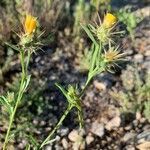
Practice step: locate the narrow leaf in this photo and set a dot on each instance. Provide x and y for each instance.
(88, 32)
(4, 101)
(12, 46)
(62, 89)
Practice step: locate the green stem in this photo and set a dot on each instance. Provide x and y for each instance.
(85, 87)
(94, 63)
(20, 94)
(57, 126)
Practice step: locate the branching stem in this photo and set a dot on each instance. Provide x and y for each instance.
(19, 97)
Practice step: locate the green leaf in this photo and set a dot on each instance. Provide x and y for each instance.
(88, 32)
(28, 147)
(95, 56)
(12, 46)
(4, 102)
(80, 118)
(26, 83)
(62, 90)
(10, 97)
(33, 141)
(50, 141)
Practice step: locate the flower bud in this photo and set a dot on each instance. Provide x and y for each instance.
(109, 20)
(30, 24)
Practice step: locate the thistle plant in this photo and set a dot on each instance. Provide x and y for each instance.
(103, 57)
(27, 45)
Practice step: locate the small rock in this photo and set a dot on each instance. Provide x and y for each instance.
(128, 136)
(63, 131)
(129, 52)
(146, 127)
(113, 123)
(108, 139)
(142, 120)
(135, 123)
(130, 147)
(144, 134)
(127, 128)
(77, 138)
(21, 146)
(58, 147)
(64, 143)
(73, 135)
(138, 116)
(138, 58)
(89, 139)
(57, 138)
(42, 123)
(99, 85)
(144, 146)
(97, 129)
(48, 147)
(80, 145)
(35, 122)
(146, 65)
(142, 140)
(147, 53)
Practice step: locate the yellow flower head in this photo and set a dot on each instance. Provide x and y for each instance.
(109, 20)
(30, 24)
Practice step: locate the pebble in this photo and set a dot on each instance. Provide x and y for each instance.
(138, 116)
(128, 137)
(129, 51)
(144, 134)
(130, 147)
(147, 53)
(35, 122)
(42, 123)
(108, 139)
(77, 139)
(89, 139)
(57, 147)
(146, 65)
(63, 131)
(48, 147)
(144, 146)
(80, 145)
(127, 128)
(98, 129)
(21, 145)
(73, 135)
(142, 120)
(135, 123)
(146, 127)
(113, 123)
(64, 143)
(99, 85)
(138, 58)
(57, 138)
(142, 140)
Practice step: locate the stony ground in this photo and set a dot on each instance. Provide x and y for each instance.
(105, 127)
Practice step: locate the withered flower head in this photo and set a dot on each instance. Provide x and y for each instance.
(113, 56)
